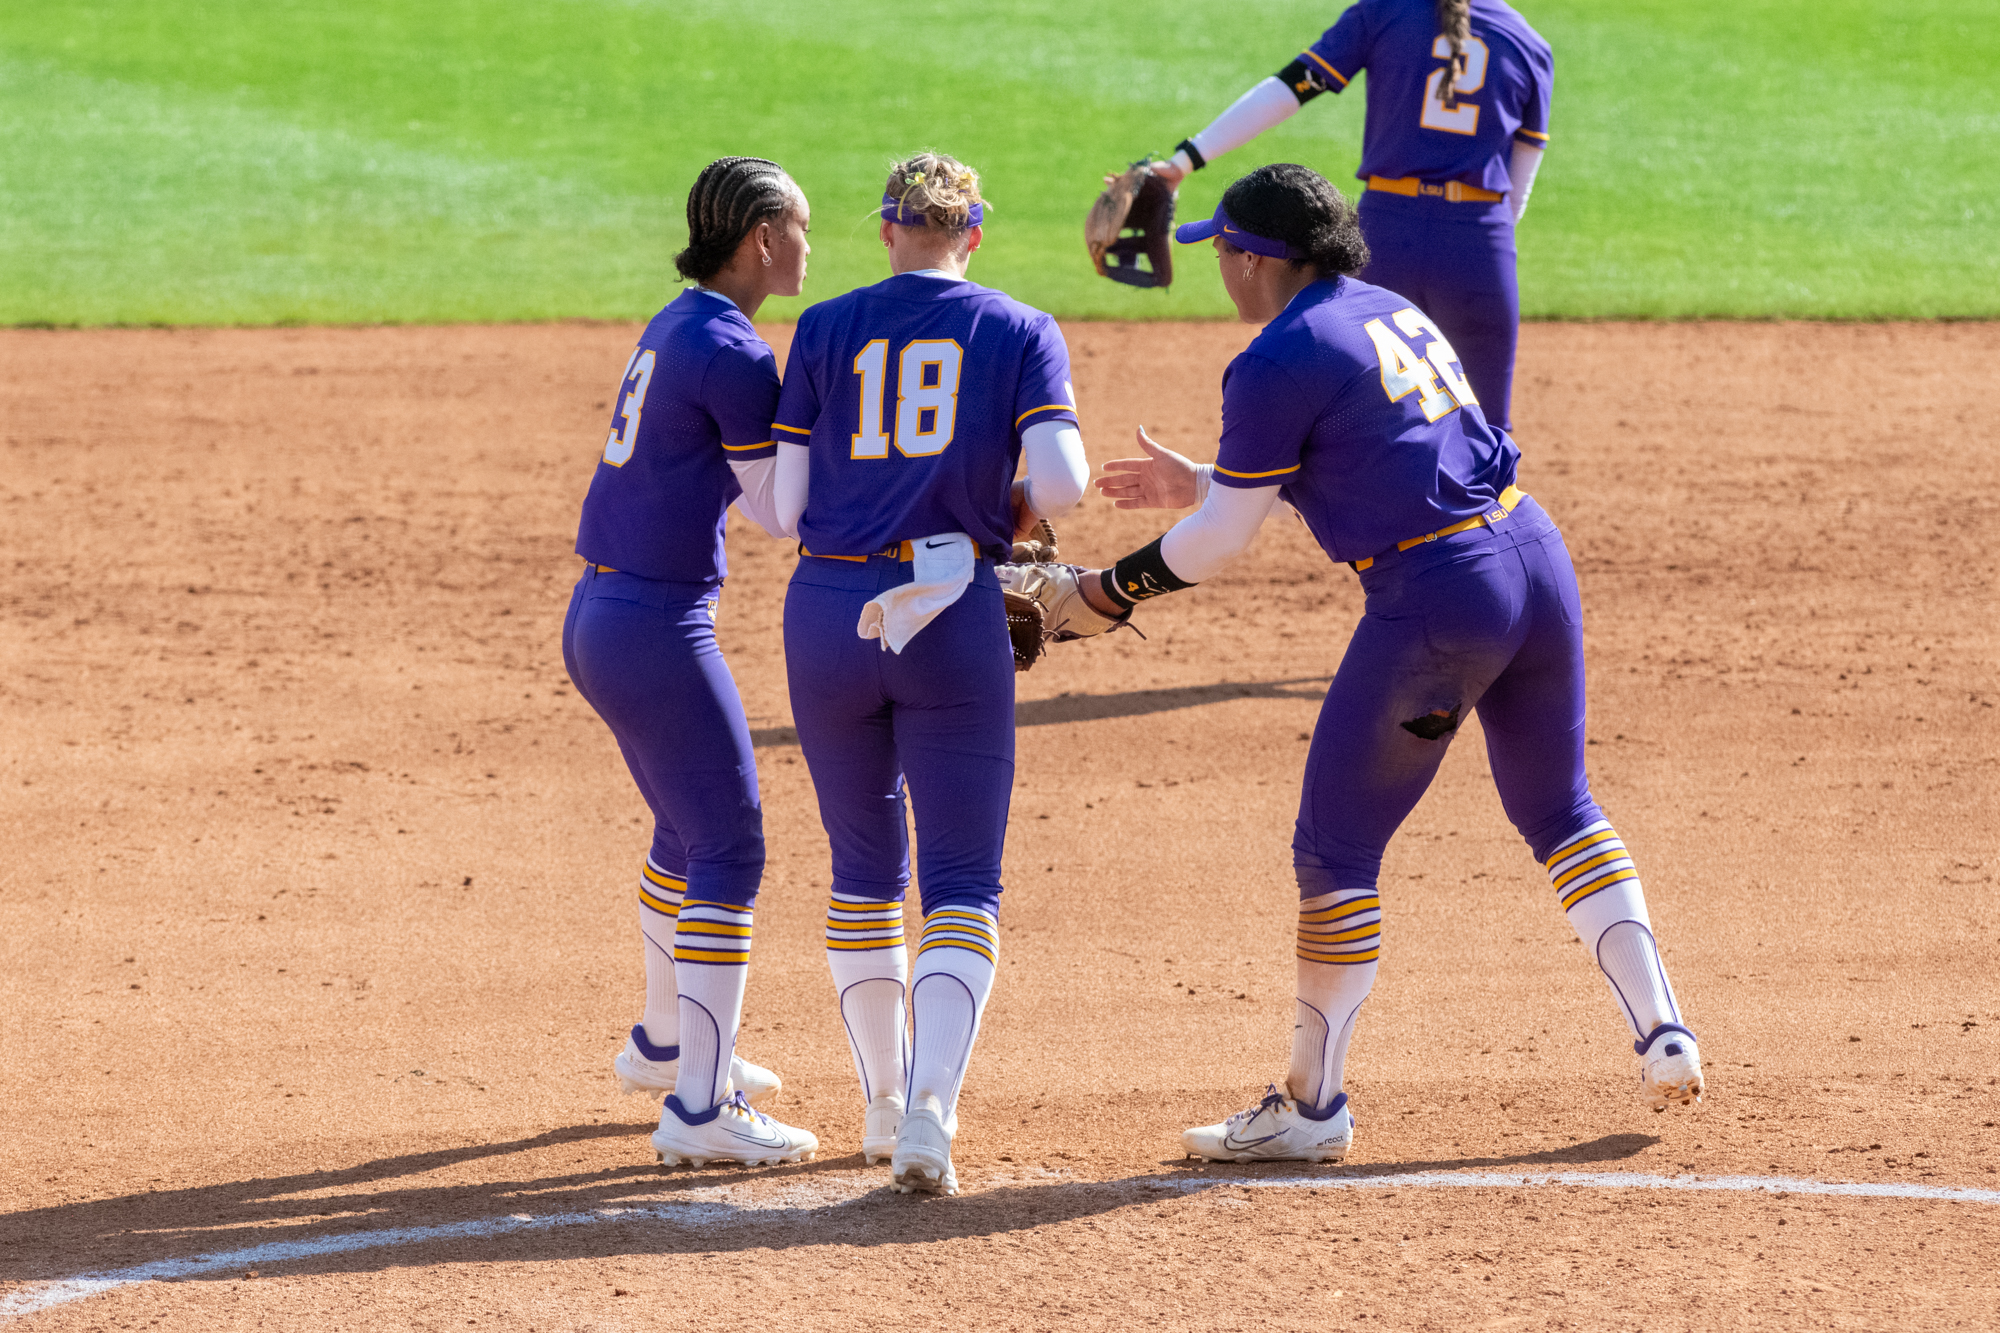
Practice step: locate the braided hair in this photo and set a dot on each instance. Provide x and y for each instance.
(1300, 207)
(730, 197)
(1454, 25)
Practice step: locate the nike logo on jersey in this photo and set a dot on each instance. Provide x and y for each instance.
(932, 546)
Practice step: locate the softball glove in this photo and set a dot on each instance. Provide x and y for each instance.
(1133, 220)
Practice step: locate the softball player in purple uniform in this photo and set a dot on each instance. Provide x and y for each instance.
(1353, 407)
(1458, 116)
(690, 433)
(907, 408)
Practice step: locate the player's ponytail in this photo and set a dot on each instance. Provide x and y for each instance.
(1294, 204)
(937, 185)
(730, 197)
(1454, 25)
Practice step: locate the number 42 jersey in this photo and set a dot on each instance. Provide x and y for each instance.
(1353, 402)
(912, 395)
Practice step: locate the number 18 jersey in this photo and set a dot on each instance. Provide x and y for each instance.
(912, 395)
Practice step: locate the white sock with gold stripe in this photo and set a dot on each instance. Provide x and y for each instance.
(1340, 943)
(871, 974)
(1598, 887)
(659, 908)
(711, 963)
(953, 976)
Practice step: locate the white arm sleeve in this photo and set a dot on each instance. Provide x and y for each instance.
(1521, 166)
(756, 477)
(1269, 103)
(1199, 545)
(1057, 469)
(793, 476)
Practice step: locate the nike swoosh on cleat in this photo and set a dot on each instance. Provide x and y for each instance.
(1230, 1142)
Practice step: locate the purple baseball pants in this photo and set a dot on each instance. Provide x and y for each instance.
(1489, 619)
(940, 713)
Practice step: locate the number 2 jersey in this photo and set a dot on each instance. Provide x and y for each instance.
(1502, 95)
(912, 395)
(1353, 403)
(701, 388)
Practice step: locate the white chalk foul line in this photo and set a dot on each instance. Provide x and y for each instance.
(710, 1213)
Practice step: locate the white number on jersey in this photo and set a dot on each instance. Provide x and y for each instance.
(1404, 372)
(625, 423)
(1415, 323)
(1464, 117)
(870, 364)
(927, 375)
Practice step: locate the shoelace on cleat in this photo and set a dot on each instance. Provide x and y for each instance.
(1273, 1101)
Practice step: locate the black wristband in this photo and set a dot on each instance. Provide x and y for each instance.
(1194, 154)
(1107, 582)
(1143, 574)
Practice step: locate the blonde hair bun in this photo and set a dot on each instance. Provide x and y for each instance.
(937, 185)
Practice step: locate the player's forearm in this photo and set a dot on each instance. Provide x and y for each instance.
(1057, 468)
(1197, 547)
(758, 503)
(1522, 164)
(793, 475)
(1194, 549)
(1268, 104)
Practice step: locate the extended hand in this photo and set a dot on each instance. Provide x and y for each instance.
(1161, 480)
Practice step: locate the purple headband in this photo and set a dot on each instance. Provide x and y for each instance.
(1220, 225)
(893, 211)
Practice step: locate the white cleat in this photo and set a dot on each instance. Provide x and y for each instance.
(644, 1067)
(922, 1160)
(1275, 1130)
(729, 1132)
(882, 1120)
(1669, 1067)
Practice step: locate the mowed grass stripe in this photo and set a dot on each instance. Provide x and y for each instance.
(1709, 158)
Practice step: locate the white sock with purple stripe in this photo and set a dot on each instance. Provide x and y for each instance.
(711, 963)
(953, 977)
(1339, 944)
(1598, 887)
(871, 974)
(659, 907)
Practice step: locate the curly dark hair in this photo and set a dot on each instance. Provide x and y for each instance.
(1300, 207)
(730, 197)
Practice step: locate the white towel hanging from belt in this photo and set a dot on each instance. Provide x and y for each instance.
(942, 566)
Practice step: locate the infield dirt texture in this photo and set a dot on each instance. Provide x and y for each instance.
(316, 920)
(317, 891)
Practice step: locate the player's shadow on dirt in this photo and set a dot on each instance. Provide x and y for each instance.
(1610, 1148)
(622, 1210)
(1132, 703)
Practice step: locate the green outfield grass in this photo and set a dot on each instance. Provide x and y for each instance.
(235, 162)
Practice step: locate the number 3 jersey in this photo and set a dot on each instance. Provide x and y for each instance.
(1354, 403)
(912, 395)
(1502, 94)
(701, 388)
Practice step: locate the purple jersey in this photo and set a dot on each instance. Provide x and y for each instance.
(912, 395)
(1354, 403)
(1503, 94)
(701, 388)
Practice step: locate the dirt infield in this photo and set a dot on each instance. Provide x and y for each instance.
(316, 882)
